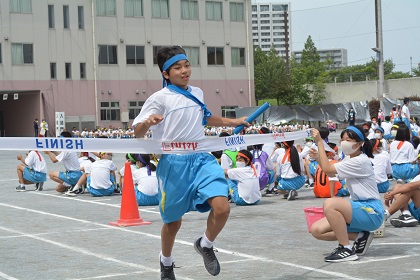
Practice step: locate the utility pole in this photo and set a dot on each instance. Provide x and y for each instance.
(379, 49)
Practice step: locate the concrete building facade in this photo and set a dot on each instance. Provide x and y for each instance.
(338, 56)
(94, 59)
(270, 22)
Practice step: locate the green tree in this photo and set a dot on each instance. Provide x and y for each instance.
(416, 72)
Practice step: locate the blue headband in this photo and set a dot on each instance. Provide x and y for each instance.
(357, 131)
(171, 62)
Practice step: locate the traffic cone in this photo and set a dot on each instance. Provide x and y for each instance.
(129, 214)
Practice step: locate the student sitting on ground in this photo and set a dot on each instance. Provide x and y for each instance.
(381, 165)
(145, 181)
(246, 190)
(32, 170)
(100, 180)
(399, 199)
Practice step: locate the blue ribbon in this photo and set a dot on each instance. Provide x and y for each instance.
(171, 62)
(140, 158)
(187, 94)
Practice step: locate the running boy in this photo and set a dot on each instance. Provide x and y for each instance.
(188, 181)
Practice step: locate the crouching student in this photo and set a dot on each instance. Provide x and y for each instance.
(325, 186)
(381, 165)
(32, 170)
(246, 191)
(145, 181)
(353, 219)
(100, 179)
(289, 171)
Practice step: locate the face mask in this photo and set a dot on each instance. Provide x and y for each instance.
(240, 164)
(347, 147)
(309, 144)
(394, 133)
(378, 136)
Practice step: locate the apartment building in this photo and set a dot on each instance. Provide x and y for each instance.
(271, 26)
(93, 60)
(338, 56)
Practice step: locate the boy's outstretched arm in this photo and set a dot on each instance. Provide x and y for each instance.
(219, 121)
(143, 127)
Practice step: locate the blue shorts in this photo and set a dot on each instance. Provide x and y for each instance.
(397, 120)
(186, 182)
(367, 215)
(383, 187)
(405, 171)
(415, 212)
(34, 176)
(407, 122)
(313, 165)
(146, 200)
(388, 136)
(291, 183)
(101, 192)
(270, 176)
(70, 177)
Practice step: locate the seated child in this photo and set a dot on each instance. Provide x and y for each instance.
(381, 165)
(246, 191)
(145, 181)
(32, 170)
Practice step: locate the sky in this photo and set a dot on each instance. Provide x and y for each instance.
(350, 24)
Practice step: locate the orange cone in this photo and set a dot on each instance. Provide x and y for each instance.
(129, 214)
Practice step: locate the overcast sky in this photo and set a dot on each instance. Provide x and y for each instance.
(350, 24)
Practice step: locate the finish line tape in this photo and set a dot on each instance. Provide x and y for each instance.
(145, 146)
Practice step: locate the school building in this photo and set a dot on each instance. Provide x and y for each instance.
(93, 62)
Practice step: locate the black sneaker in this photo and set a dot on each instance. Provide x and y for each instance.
(404, 220)
(73, 191)
(210, 261)
(39, 186)
(292, 195)
(342, 254)
(20, 188)
(117, 189)
(167, 272)
(286, 195)
(361, 245)
(270, 192)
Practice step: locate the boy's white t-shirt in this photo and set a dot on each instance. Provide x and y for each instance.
(145, 183)
(226, 161)
(100, 174)
(182, 116)
(405, 154)
(248, 183)
(69, 160)
(387, 127)
(85, 163)
(382, 167)
(405, 112)
(360, 179)
(122, 170)
(36, 162)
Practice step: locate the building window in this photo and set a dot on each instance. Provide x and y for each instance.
(81, 17)
(213, 10)
(107, 54)
(53, 70)
(189, 9)
(215, 56)
(264, 15)
(229, 112)
(135, 54)
(193, 54)
(155, 49)
(82, 70)
(160, 8)
(264, 8)
(238, 56)
(22, 54)
(254, 8)
(51, 20)
(133, 8)
(68, 70)
(134, 108)
(110, 111)
(237, 11)
(106, 8)
(21, 6)
(277, 8)
(66, 20)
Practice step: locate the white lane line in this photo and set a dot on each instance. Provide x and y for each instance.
(8, 180)
(108, 276)
(52, 232)
(383, 259)
(83, 251)
(252, 257)
(7, 277)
